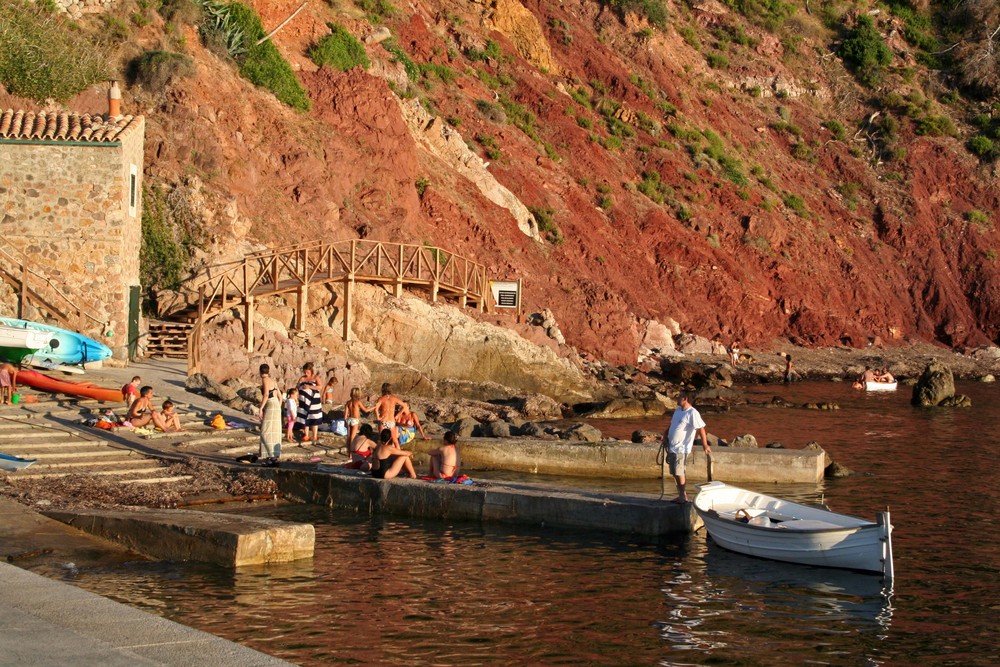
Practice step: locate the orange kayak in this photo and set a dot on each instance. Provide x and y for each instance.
(44, 382)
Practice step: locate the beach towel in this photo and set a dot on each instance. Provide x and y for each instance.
(270, 429)
(310, 407)
(461, 479)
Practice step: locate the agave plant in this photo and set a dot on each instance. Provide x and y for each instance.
(219, 19)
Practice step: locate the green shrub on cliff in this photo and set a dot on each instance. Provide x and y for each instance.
(170, 234)
(864, 50)
(154, 70)
(654, 11)
(340, 50)
(238, 28)
(42, 56)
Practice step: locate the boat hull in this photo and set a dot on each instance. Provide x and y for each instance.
(28, 340)
(790, 532)
(880, 386)
(63, 346)
(44, 382)
(14, 463)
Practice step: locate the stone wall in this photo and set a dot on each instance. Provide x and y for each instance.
(77, 8)
(65, 210)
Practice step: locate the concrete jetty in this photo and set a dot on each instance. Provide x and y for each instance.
(507, 502)
(627, 460)
(48, 622)
(224, 539)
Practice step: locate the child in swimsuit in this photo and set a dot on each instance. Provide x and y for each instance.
(352, 415)
(130, 392)
(291, 410)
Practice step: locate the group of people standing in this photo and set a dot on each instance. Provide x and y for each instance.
(304, 409)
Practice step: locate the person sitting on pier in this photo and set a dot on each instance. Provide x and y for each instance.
(130, 392)
(140, 412)
(408, 424)
(389, 460)
(169, 421)
(444, 459)
(361, 448)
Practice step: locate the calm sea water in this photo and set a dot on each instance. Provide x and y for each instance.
(383, 590)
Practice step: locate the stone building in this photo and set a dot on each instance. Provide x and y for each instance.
(70, 220)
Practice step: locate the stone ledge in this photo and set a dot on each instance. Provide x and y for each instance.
(223, 539)
(626, 460)
(491, 502)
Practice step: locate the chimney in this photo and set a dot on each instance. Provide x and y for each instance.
(114, 100)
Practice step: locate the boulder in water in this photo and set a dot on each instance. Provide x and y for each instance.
(936, 384)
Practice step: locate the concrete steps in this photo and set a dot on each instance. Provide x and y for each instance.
(61, 452)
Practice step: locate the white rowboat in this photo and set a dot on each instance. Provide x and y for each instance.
(880, 386)
(754, 524)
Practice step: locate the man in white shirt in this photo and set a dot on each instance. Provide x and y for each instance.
(679, 438)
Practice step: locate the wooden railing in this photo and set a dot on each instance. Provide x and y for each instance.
(34, 288)
(295, 268)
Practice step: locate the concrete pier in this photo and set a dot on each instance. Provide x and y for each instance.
(48, 622)
(507, 502)
(627, 460)
(224, 539)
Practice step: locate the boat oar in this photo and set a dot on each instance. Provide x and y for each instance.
(711, 465)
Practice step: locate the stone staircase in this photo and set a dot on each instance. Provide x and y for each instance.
(52, 432)
(62, 451)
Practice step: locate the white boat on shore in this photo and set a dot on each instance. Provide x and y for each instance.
(22, 339)
(12, 463)
(755, 524)
(880, 386)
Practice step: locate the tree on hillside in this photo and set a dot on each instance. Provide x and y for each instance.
(978, 54)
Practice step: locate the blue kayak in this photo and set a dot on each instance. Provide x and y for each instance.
(64, 346)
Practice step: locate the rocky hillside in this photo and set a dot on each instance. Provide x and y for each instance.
(636, 162)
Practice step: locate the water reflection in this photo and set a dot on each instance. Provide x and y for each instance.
(382, 590)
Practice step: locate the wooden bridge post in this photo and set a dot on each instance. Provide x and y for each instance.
(348, 282)
(397, 290)
(301, 306)
(434, 290)
(248, 311)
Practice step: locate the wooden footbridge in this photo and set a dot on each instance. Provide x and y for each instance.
(293, 269)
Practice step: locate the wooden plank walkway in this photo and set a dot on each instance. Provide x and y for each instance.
(294, 269)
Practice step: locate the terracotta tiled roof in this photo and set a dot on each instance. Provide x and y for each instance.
(61, 126)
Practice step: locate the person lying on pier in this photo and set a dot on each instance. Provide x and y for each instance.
(389, 460)
(444, 459)
(167, 420)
